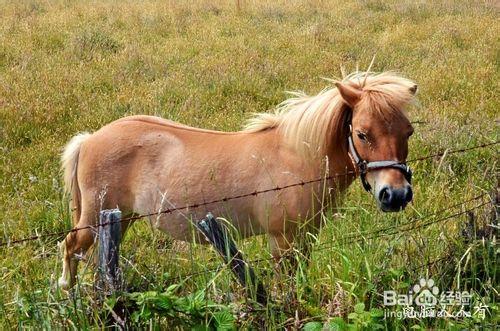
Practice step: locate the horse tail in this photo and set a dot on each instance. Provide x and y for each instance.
(69, 164)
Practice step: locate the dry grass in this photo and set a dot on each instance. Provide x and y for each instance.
(69, 66)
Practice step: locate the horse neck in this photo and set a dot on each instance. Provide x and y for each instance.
(339, 161)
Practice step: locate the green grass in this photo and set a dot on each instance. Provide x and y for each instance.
(67, 67)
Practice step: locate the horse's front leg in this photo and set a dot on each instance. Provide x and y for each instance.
(290, 249)
(291, 252)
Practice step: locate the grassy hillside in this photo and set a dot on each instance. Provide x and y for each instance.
(67, 67)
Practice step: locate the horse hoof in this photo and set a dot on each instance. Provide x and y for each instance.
(63, 283)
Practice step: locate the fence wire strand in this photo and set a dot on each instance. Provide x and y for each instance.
(225, 199)
(319, 248)
(360, 236)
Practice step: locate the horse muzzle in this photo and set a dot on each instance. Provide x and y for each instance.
(393, 199)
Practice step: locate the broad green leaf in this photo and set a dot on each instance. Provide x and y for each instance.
(224, 320)
(337, 324)
(313, 326)
(376, 312)
(352, 316)
(359, 308)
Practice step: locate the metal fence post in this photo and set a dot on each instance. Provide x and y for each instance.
(220, 238)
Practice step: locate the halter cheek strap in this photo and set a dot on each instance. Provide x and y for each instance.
(364, 167)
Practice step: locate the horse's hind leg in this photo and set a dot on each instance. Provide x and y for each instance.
(76, 245)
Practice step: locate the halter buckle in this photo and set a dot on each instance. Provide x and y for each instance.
(363, 167)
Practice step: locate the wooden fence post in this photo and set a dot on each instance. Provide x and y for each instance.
(109, 233)
(219, 237)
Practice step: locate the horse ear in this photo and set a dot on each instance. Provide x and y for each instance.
(350, 94)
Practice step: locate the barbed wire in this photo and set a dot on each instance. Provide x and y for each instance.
(358, 236)
(204, 272)
(323, 247)
(220, 267)
(452, 151)
(171, 210)
(225, 199)
(353, 236)
(397, 229)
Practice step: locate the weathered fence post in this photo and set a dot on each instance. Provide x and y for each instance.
(108, 271)
(219, 237)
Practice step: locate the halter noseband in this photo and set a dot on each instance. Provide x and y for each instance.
(364, 167)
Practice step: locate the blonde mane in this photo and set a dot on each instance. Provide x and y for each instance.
(308, 123)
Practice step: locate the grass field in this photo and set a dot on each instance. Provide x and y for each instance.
(68, 66)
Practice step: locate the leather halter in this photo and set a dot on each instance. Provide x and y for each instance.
(363, 166)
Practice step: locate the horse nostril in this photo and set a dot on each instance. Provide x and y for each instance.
(394, 199)
(385, 196)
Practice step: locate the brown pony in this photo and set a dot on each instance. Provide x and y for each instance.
(143, 164)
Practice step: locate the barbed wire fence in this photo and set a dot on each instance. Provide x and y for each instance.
(410, 225)
(11, 242)
(361, 237)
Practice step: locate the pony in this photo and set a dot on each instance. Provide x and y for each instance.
(143, 164)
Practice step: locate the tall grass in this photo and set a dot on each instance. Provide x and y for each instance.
(67, 67)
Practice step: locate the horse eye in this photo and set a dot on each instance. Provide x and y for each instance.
(362, 136)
